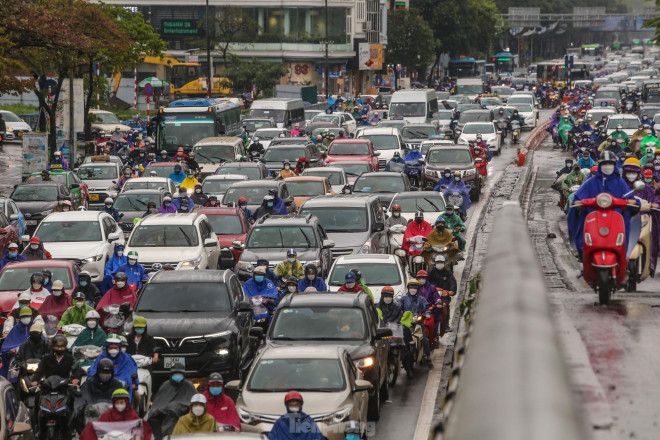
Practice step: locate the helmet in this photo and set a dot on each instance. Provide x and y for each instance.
(140, 321)
(440, 219)
(387, 290)
(78, 295)
(106, 366)
(67, 203)
(112, 339)
(607, 156)
(121, 276)
(358, 274)
(60, 340)
(25, 311)
(242, 200)
(120, 393)
(178, 368)
(350, 277)
(109, 201)
(632, 164)
(133, 255)
(457, 174)
(291, 396)
(291, 280)
(422, 274)
(291, 252)
(412, 283)
(439, 259)
(37, 277)
(92, 314)
(311, 268)
(198, 398)
(396, 207)
(124, 341)
(216, 377)
(419, 214)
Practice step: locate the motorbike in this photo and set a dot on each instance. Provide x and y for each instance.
(415, 171)
(26, 375)
(396, 353)
(85, 355)
(416, 346)
(455, 199)
(515, 131)
(396, 234)
(95, 410)
(502, 127)
(50, 326)
(72, 331)
(142, 395)
(639, 260)
(263, 308)
(604, 260)
(125, 430)
(567, 198)
(115, 317)
(54, 411)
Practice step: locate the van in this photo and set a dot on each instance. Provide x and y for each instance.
(472, 87)
(415, 106)
(285, 111)
(210, 152)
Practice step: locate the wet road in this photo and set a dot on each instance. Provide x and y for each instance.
(612, 351)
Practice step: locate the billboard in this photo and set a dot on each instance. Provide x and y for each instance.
(370, 56)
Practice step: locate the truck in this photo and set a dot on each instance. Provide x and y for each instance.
(306, 93)
(472, 87)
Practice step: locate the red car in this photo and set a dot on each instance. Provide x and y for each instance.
(8, 234)
(15, 278)
(352, 149)
(230, 226)
(353, 168)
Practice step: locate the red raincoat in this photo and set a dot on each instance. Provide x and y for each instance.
(223, 409)
(112, 415)
(414, 229)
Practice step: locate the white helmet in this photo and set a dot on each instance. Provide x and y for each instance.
(92, 314)
(108, 201)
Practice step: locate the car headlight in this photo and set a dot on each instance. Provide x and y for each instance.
(246, 416)
(340, 416)
(430, 173)
(467, 173)
(222, 352)
(365, 248)
(366, 362)
(93, 259)
(245, 266)
(46, 212)
(190, 263)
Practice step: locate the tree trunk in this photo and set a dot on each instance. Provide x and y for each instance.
(437, 60)
(88, 102)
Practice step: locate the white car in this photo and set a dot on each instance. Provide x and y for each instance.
(343, 120)
(266, 135)
(431, 203)
(150, 183)
(99, 177)
(336, 176)
(629, 123)
(16, 127)
(184, 241)
(106, 121)
(488, 132)
(529, 115)
(378, 271)
(350, 122)
(217, 185)
(387, 140)
(522, 97)
(87, 237)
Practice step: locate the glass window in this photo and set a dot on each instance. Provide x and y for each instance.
(374, 274)
(378, 184)
(300, 188)
(143, 184)
(19, 278)
(97, 173)
(11, 408)
(408, 109)
(349, 149)
(277, 115)
(108, 226)
(164, 236)
(10, 117)
(225, 224)
(217, 187)
(214, 153)
(252, 173)
(178, 131)
(478, 128)
(280, 154)
(267, 134)
(55, 177)
(4, 222)
(163, 171)
(626, 124)
(281, 237)
(340, 219)
(319, 323)
(418, 132)
(424, 204)
(352, 169)
(184, 297)
(106, 118)
(136, 202)
(449, 156)
(383, 141)
(49, 231)
(280, 375)
(254, 195)
(335, 177)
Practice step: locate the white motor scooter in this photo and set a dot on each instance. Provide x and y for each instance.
(142, 395)
(72, 331)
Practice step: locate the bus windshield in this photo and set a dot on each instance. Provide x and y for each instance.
(184, 130)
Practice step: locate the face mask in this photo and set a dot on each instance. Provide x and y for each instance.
(132, 262)
(167, 204)
(120, 253)
(113, 353)
(108, 206)
(59, 351)
(631, 177)
(190, 176)
(242, 205)
(413, 292)
(91, 324)
(439, 266)
(648, 180)
(79, 304)
(120, 406)
(294, 409)
(352, 437)
(177, 377)
(57, 293)
(422, 281)
(388, 299)
(350, 285)
(34, 246)
(215, 391)
(396, 214)
(36, 337)
(259, 278)
(440, 228)
(457, 179)
(105, 377)
(290, 260)
(450, 213)
(13, 254)
(198, 410)
(26, 320)
(311, 277)
(120, 284)
(448, 175)
(127, 174)
(83, 283)
(139, 330)
(198, 190)
(123, 349)
(269, 204)
(286, 167)
(418, 221)
(607, 169)
(36, 286)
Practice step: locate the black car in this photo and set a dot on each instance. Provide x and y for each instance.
(279, 152)
(252, 170)
(133, 204)
(320, 319)
(271, 237)
(255, 191)
(383, 185)
(200, 318)
(37, 200)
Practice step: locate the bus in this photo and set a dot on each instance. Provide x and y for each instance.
(651, 91)
(463, 68)
(595, 50)
(186, 121)
(504, 62)
(555, 71)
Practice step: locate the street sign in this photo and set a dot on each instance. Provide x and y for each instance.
(333, 75)
(148, 89)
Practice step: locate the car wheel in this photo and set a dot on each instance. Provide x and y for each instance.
(373, 413)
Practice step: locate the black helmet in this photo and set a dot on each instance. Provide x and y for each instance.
(106, 366)
(607, 156)
(121, 276)
(178, 368)
(78, 295)
(311, 268)
(358, 274)
(37, 277)
(290, 280)
(216, 377)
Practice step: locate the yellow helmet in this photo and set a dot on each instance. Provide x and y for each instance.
(632, 161)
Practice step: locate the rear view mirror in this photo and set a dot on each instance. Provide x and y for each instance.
(244, 306)
(210, 242)
(257, 333)
(360, 385)
(378, 226)
(13, 217)
(113, 236)
(327, 244)
(237, 245)
(234, 385)
(383, 332)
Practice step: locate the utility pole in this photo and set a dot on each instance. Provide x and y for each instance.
(72, 134)
(327, 43)
(208, 52)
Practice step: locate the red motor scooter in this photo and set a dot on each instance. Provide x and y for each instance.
(604, 257)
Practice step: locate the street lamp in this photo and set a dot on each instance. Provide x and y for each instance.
(208, 52)
(327, 73)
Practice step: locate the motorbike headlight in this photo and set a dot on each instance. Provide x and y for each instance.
(246, 417)
(365, 248)
(245, 266)
(366, 362)
(32, 366)
(340, 416)
(93, 259)
(190, 264)
(604, 200)
(467, 173)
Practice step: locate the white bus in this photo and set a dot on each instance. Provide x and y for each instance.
(415, 106)
(285, 111)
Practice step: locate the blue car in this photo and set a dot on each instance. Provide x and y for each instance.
(15, 216)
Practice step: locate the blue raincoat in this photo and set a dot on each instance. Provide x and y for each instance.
(461, 187)
(6, 259)
(112, 211)
(177, 177)
(279, 205)
(16, 337)
(612, 184)
(177, 203)
(317, 283)
(112, 266)
(413, 155)
(135, 273)
(125, 367)
(443, 181)
(302, 427)
(586, 163)
(265, 289)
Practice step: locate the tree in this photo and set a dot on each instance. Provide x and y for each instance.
(242, 74)
(10, 83)
(655, 23)
(410, 40)
(230, 26)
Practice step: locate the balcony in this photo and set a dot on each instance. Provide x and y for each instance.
(303, 50)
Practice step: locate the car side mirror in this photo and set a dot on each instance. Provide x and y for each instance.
(360, 385)
(235, 385)
(414, 188)
(75, 185)
(257, 333)
(376, 153)
(13, 217)
(113, 236)
(383, 332)
(244, 306)
(237, 245)
(378, 226)
(328, 244)
(210, 242)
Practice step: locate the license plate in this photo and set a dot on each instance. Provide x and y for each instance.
(168, 362)
(93, 197)
(52, 422)
(31, 222)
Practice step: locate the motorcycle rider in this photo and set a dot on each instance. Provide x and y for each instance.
(395, 218)
(164, 157)
(259, 285)
(266, 208)
(192, 164)
(77, 312)
(121, 411)
(286, 171)
(648, 157)
(36, 347)
(413, 155)
(575, 177)
(295, 423)
(97, 388)
(413, 243)
(125, 366)
(135, 271)
(440, 236)
(311, 279)
(461, 187)
(58, 363)
(36, 251)
(14, 316)
(443, 278)
(11, 255)
(278, 203)
(484, 146)
(638, 135)
(58, 163)
(197, 420)
(620, 134)
(602, 123)
(389, 310)
(117, 260)
(417, 305)
(180, 202)
(120, 293)
(126, 174)
(445, 180)
(218, 404)
(242, 207)
(291, 266)
(167, 207)
(177, 176)
(585, 160)
(110, 209)
(92, 334)
(455, 224)
(270, 275)
(140, 341)
(564, 127)
(198, 196)
(212, 202)
(56, 303)
(38, 293)
(350, 284)
(516, 117)
(171, 401)
(430, 293)
(396, 159)
(190, 181)
(257, 147)
(290, 285)
(649, 138)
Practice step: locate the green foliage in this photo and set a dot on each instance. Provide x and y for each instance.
(19, 109)
(242, 74)
(410, 40)
(230, 25)
(655, 23)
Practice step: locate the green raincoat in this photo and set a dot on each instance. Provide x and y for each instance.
(75, 315)
(563, 129)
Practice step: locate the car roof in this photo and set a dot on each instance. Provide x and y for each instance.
(623, 116)
(217, 140)
(305, 179)
(217, 210)
(350, 141)
(287, 219)
(379, 130)
(167, 219)
(340, 200)
(164, 164)
(302, 351)
(476, 110)
(323, 169)
(347, 300)
(241, 164)
(420, 125)
(366, 258)
(417, 194)
(97, 164)
(255, 183)
(351, 162)
(143, 191)
(42, 183)
(213, 177)
(381, 174)
(150, 179)
(42, 263)
(190, 276)
(287, 145)
(449, 147)
(80, 216)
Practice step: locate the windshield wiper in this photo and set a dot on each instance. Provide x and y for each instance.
(135, 208)
(432, 204)
(309, 243)
(201, 155)
(185, 236)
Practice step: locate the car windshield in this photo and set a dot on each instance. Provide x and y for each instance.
(97, 173)
(267, 134)
(519, 100)
(145, 184)
(281, 237)
(55, 177)
(10, 117)
(18, 278)
(474, 117)
(252, 126)
(339, 219)
(164, 236)
(444, 115)
(33, 193)
(254, 194)
(408, 109)
(320, 323)
(217, 187)
(608, 94)
(334, 177)
(326, 118)
(424, 204)
(449, 156)
(389, 123)
(178, 297)
(597, 116)
(301, 188)
(352, 169)
(106, 118)
(225, 224)
(626, 124)
(135, 202)
(382, 141)
(281, 375)
(375, 274)
(277, 115)
(309, 114)
(413, 132)
(478, 128)
(214, 153)
(281, 154)
(524, 108)
(252, 173)
(491, 101)
(184, 131)
(379, 184)
(502, 91)
(160, 171)
(349, 149)
(52, 232)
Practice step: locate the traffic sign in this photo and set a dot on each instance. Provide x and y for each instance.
(148, 90)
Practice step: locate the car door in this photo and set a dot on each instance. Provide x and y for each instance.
(374, 158)
(243, 322)
(378, 238)
(7, 233)
(361, 399)
(206, 233)
(283, 190)
(64, 192)
(83, 189)
(352, 123)
(16, 217)
(381, 346)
